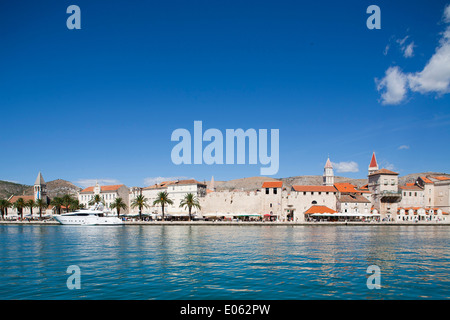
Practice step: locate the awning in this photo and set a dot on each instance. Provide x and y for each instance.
(345, 214)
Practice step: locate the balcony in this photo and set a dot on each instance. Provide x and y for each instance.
(390, 196)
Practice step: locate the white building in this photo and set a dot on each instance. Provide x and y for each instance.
(108, 194)
(176, 190)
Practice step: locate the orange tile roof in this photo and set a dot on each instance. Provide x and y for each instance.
(103, 188)
(442, 178)
(384, 171)
(426, 180)
(111, 188)
(182, 182)
(356, 198)
(25, 198)
(165, 184)
(345, 187)
(319, 209)
(272, 184)
(314, 188)
(413, 188)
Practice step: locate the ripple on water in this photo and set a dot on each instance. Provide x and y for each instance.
(201, 262)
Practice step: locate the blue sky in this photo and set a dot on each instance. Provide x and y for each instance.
(102, 102)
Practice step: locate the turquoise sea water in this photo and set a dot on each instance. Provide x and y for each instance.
(224, 262)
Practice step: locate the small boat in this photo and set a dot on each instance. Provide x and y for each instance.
(93, 216)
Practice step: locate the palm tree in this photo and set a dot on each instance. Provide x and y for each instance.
(118, 204)
(57, 203)
(19, 205)
(75, 204)
(4, 205)
(190, 201)
(96, 199)
(41, 204)
(30, 204)
(162, 198)
(67, 201)
(140, 202)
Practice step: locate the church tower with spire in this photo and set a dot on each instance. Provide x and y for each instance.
(40, 188)
(328, 175)
(373, 166)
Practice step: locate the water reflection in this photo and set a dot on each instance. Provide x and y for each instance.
(223, 262)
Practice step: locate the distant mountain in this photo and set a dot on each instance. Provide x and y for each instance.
(55, 188)
(8, 188)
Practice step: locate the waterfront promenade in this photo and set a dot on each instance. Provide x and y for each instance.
(248, 223)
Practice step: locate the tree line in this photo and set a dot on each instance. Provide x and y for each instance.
(69, 203)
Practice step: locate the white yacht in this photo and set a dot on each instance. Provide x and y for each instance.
(95, 215)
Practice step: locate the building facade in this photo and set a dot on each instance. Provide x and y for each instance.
(107, 193)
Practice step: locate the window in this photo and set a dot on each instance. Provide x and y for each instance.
(320, 193)
(415, 194)
(385, 182)
(312, 193)
(314, 202)
(404, 194)
(271, 205)
(267, 190)
(274, 190)
(410, 194)
(304, 193)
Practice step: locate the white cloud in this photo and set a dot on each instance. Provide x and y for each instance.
(349, 166)
(408, 51)
(91, 182)
(401, 42)
(155, 180)
(403, 147)
(434, 78)
(447, 14)
(392, 86)
(386, 50)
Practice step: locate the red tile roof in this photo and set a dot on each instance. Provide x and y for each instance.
(314, 188)
(272, 184)
(319, 209)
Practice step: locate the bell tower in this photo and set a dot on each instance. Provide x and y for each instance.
(328, 174)
(40, 188)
